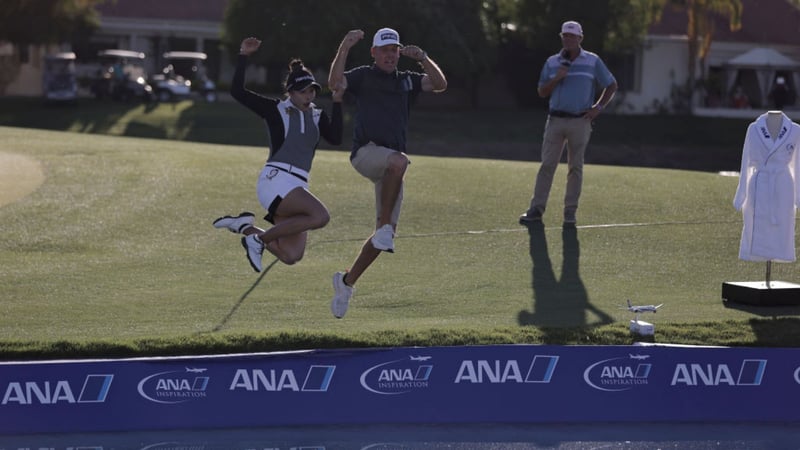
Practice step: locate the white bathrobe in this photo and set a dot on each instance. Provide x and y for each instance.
(769, 191)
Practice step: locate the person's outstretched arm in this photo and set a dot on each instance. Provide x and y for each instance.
(259, 104)
(336, 76)
(434, 79)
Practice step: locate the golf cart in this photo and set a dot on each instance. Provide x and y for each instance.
(59, 83)
(184, 75)
(121, 76)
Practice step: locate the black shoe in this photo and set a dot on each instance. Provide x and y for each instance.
(530, 217)
(569, 218)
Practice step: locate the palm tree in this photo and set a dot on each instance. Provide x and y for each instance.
(700, 31)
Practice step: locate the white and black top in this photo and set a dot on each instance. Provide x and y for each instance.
(294, 134)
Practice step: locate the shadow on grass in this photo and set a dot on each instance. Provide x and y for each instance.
(563, 301)
(145, 131)
(244, 296)
(87, 116)
(678, 142)
(779, 332)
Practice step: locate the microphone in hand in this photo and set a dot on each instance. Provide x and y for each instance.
(565, 58)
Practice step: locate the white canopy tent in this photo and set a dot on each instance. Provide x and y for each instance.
(764, 63)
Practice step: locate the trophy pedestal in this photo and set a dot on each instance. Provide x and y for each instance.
(761, 293)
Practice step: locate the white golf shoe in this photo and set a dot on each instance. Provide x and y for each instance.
(341, 295)
(383, 239)
(254, 248)
(235, 224)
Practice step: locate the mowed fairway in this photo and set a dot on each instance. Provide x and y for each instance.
(117, 243)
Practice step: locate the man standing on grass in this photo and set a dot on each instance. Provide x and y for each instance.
(568, 78)
(383, 98)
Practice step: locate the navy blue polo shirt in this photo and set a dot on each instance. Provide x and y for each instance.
(383, 104)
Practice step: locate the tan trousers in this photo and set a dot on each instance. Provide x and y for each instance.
(559, 132)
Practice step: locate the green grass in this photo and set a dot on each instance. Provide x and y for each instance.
(510, 134)
(115, 255)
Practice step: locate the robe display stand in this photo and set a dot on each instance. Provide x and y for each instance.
(762, 293)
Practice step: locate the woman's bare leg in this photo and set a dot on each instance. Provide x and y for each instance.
(298, 213)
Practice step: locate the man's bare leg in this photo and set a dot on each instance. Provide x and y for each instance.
(365, 258)
(390, 186)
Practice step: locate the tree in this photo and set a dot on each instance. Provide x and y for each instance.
(456, 34)
(612, 28)
(468, 38)
(453, 32)
(612, 25)
(35, 22)
(24, 22)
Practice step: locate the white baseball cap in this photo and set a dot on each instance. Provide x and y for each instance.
(572, 27)
(386, 36)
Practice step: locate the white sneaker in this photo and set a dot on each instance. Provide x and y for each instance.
(341, 295)
(235, 224)
(254, 248)
(383, 239)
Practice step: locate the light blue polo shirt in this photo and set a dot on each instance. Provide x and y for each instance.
(576, 93)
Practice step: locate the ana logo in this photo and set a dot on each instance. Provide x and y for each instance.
(399, 376)
(176, 386)
(94, 390)
(540, 370)
(751, 373)
(618, 374)
(317, 379)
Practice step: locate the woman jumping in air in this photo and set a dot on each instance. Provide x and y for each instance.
(295, 126)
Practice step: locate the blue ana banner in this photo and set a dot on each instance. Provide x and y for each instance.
(503, 384)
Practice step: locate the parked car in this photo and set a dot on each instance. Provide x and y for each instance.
(184, 75)
(59, 83)
(122, 76)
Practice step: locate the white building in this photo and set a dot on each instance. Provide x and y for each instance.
(662, 63)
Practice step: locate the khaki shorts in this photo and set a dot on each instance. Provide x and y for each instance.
(371, 161)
